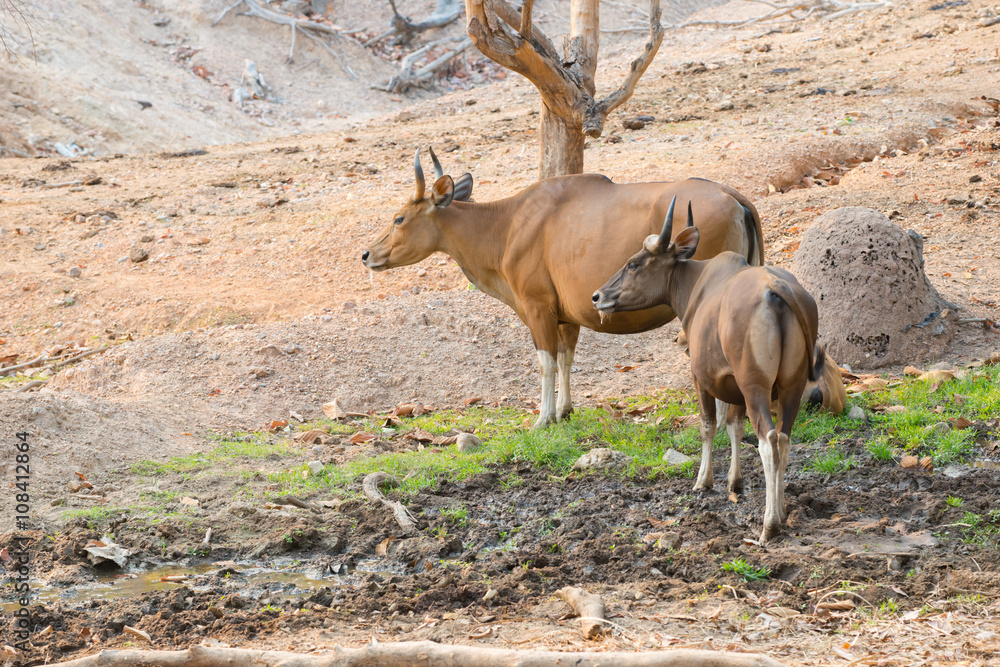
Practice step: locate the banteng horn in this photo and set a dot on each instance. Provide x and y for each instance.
(437, 165)
(419, 194)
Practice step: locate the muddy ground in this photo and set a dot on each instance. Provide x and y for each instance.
(253, 304)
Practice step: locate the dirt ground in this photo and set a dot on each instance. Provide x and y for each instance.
(253, 303)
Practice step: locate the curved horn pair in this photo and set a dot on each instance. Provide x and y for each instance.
(660, 243)
(419, 171)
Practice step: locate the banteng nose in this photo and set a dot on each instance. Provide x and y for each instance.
(596, 297)
(364, 256)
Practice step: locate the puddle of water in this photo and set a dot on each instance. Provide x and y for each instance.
(280, 580)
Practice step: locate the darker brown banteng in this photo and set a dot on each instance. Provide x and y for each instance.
(751, 333)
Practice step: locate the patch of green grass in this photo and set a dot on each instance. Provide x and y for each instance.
(952, 501)
(97, 518)
(226, 450)
(880, 448)
(830, 462)
(982, 529)
(742, 568)
(457, 515)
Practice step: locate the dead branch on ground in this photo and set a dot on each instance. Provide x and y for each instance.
(791, 13)
(409, 77)
(311, 29)
(402, 515)
(588, 606)
(406, 654)
(444, 13)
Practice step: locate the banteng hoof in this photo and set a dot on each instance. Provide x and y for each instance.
(565, 413)
(543, 421)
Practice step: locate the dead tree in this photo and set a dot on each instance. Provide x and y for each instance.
(570, 109)
(445, 12)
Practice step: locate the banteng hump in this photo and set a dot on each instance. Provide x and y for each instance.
(546, 249)
(751, 334)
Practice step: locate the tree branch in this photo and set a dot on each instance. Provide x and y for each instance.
(526, 19)
(593, 123)
(560, 89)
(406, 654)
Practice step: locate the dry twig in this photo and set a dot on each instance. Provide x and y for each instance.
(403, 517)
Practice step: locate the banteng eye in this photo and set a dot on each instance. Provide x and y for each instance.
(633, 266)
(398, 221)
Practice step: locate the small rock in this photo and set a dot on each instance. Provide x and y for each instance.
(939, 429)
(633, 123)
(190, 502)
(975, 178)
(318, 450)
(468, 443)
(316, 467)
(675, 458)
(725, 106)
(74, 272)
(669, 541)
(857, 414)
(147, 238)
(242, 509)
(291, 348)
(614, 139)
(602, 458)
(138, 255)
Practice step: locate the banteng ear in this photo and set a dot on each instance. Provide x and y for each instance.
(686, 243)
(443, 191)
(463, 187)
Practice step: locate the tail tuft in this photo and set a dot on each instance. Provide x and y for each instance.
(816, 370)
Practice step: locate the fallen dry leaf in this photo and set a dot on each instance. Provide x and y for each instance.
(444, 442)
(685, 421)
(927, 463)
(909, 462)
(962, 423)
(383, 548)
(733, 498)
(660, 523)
(895, 409)
(81, 476)
(937, 376)
(404, 410)
(472, 401)
(359, 438)
(195, 240)
(135, 632)
(333, 410)
(842, 605)
(420, 435)
(277, 425)
(482, 633)
(309, 437)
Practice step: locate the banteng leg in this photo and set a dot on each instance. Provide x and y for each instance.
(790, 401)
(706, 406)
(759, 408)
(544, 332)
(735, 425)
(568, 334)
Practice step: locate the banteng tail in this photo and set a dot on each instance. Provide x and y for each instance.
(755, 254)
(788, 295)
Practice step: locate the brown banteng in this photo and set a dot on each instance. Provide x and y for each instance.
(546, 249)
(751, 335)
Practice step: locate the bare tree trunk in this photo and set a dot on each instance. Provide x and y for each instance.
(565, 82)
(583, 41)
(560, 144)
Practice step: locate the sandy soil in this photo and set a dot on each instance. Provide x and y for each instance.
(253, 301)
